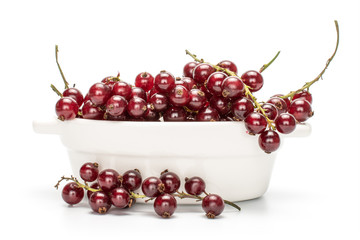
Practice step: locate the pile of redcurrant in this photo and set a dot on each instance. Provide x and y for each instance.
(108, 188)
(205, 92)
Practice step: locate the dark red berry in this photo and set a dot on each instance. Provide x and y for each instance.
(255, 123)
(179, 96)
(242, 107)
(100, 202)
(165, 205)
(232, 87)
(151, 114)
(208, 114)
(131, 180)
(99, 93)
(138, 92)
(221, 104)
(136, 107)
(208, 94)
(285, 99)
(72, 193)
(253, 79)
(171, 182)
(75, 94)
(269, 141)
(197, 99)
(122, 89)
(189, 83)
(91, 111)
(285, 123)
(145, 81)
(116, 105)
(152, 187)
(159, 102)
(305, 95)
(202, 72)
(95, 185)
(213, 205)
(279, 103)
(150, 93)
(270, 110)
(214, 83)
(108, 179)
(195, 186)
(164, 82)
(66, 108)
(120, 197)
(175, 114)
(228, 65)
(189, 69)
(89, 171)
(301, 110)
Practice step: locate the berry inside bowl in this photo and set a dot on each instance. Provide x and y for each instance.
(222, 153)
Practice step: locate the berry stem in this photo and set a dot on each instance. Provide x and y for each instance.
(308, 84)
(56, 90)
(265, 66)
(72, 178)
(61, 72)
(246, 87)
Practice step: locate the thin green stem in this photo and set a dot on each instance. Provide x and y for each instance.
(308, 84)
(61, 72)
(265, 66)
(72, 178)
(56, 90)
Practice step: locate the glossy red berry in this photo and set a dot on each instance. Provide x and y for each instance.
(195, 185)
(228, 65)
(108, 179)
(213, 205)
(202, 72)
(179, 96)
(66, 108)
(242, 107)
(253, 79)
(100, 202)
(94, 185)
(91, 111)
(305, 95)
(75, 94)
(269, 141)
(131, 180)
(208, 114)
(255, 123)
(151, 114)
(171, 181)
(72, 193)
(270, 110)
(164, 82)
(159, 102)
(232, 87)
(214, 83)
(89, 171)
(279, 103)
(285, 123)
(189, 69)
(150, 93)
(136, 107)
(145, 81)
(301, 110)
(152, 187)
(116, 105)
(120, 197)
(285, 99)
(165, 205)
(99, 93)
(174, 114)
(222, 105)
(197, 99)
(189, 83)
(138, 92)
(122, 89)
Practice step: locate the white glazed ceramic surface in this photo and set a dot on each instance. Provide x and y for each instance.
(229, 160)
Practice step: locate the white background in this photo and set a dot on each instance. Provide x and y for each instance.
(314, 191)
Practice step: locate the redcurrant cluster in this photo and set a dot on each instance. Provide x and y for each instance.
(109, 188)
(206, 92)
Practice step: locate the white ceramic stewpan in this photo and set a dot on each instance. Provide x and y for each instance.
(222, 153)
